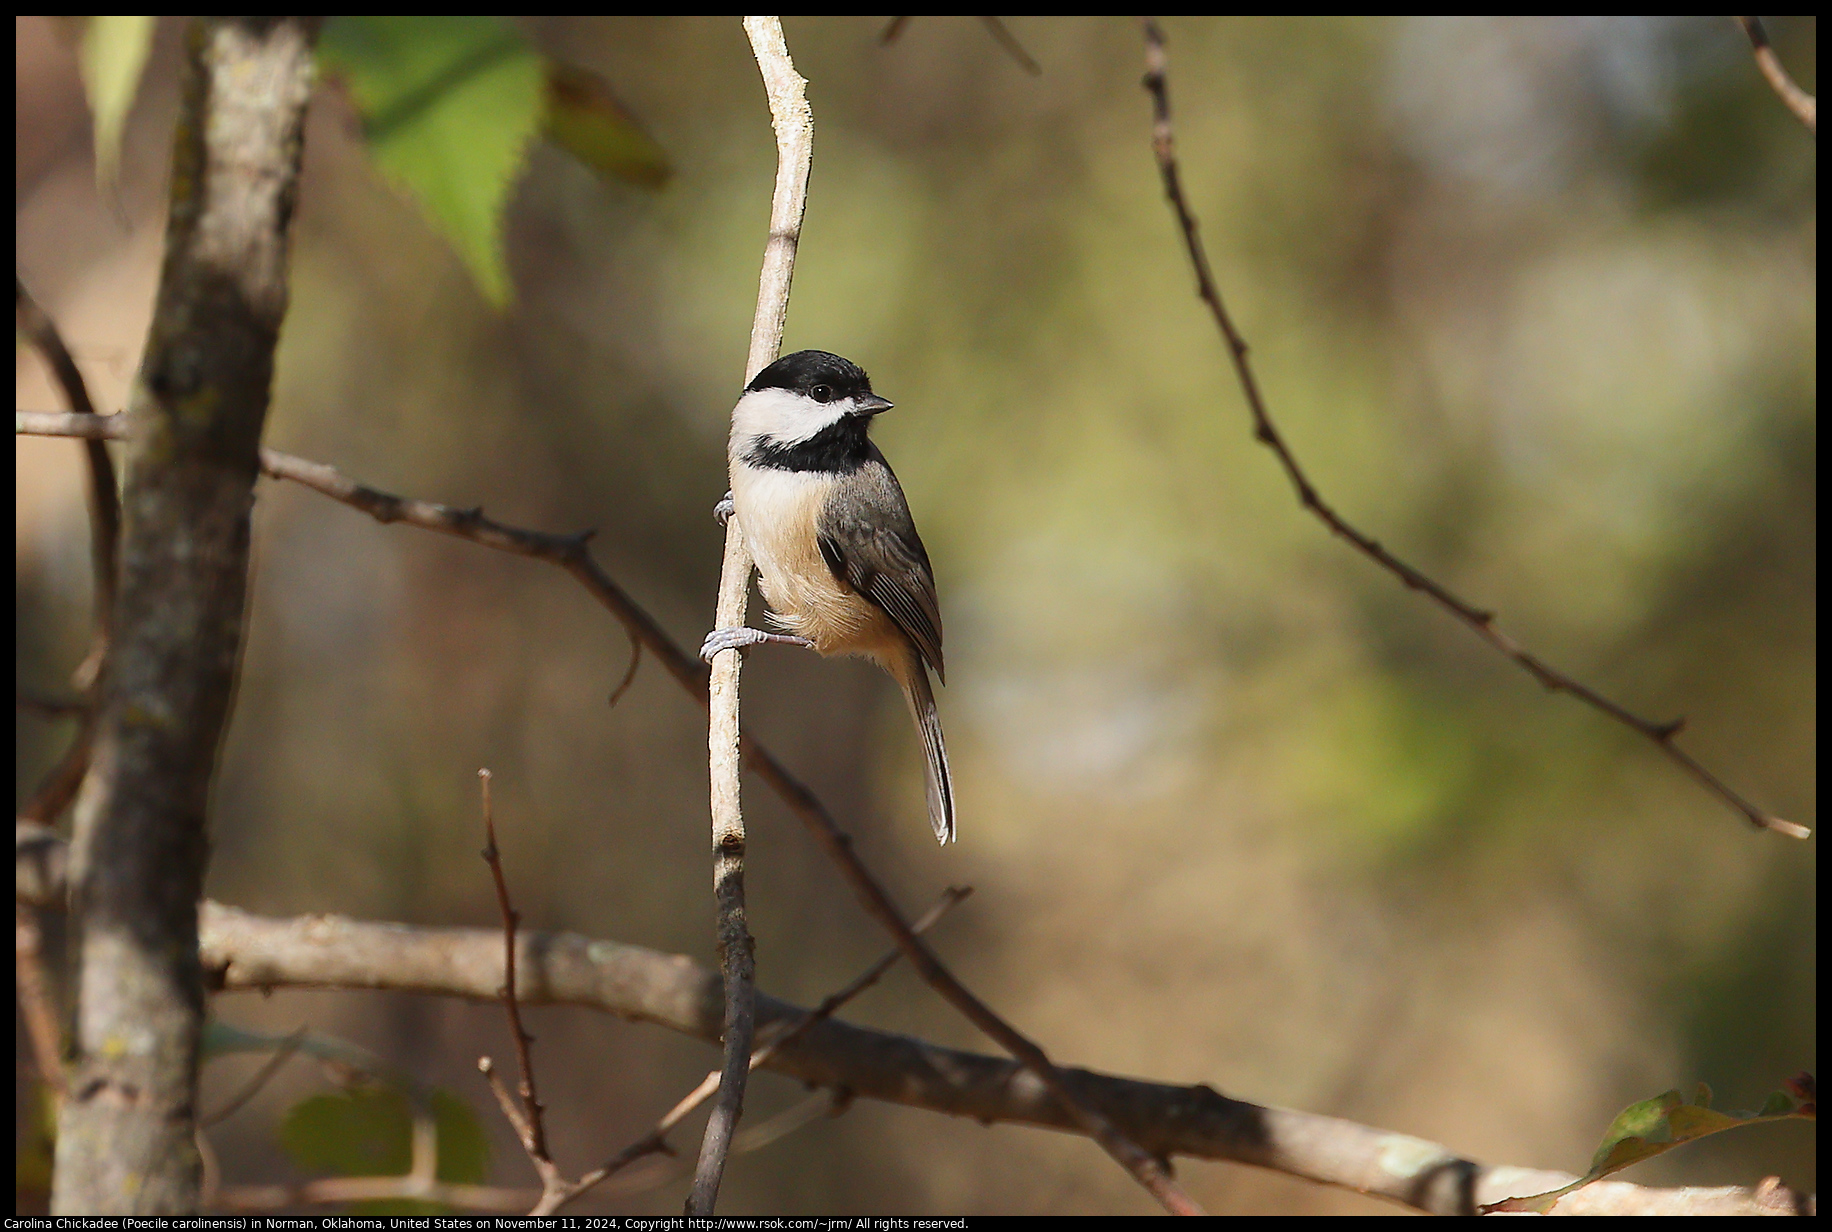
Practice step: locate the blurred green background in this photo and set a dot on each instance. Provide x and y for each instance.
(1533, 300)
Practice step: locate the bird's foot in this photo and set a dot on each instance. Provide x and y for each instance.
(723, 511)
(737, 639)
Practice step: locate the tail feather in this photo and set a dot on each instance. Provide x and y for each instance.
(939, 783)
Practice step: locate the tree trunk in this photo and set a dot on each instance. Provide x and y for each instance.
(126, 1134)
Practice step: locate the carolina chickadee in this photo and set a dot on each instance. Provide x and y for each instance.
(837, 555)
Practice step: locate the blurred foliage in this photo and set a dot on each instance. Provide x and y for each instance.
(114, 54)
(1533, 299)
(369, 1132)
(449, 105)
(34, 1151)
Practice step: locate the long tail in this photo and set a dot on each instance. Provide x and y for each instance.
(914, 678)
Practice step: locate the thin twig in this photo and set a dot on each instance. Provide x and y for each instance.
(1266, 432)
(655, 1142)
(59, 786)
(629, 673)
(528, 1119)
(1013, 48)
(1798, 101)
(1007, 41)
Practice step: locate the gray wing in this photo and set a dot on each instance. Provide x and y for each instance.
(869, 540)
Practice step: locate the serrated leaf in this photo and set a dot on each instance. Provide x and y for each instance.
(1654, 1127)
(449, 105)
(586, 120)
(370, 1133)
(112, 58)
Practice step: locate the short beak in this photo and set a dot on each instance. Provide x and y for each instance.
(871, 404)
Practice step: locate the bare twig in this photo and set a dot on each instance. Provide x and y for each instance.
(629, 673)
(244, 951)
(1006, 40)
(785, 1033)
(528, 1117)
(60, 784)
(1803, 105)
(1013, 48)
(1266, 432)
(535, 1136)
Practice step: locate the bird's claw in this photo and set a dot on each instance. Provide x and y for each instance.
(720, 640)
(723, 511)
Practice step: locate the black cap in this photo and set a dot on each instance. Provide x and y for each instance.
(814, 373)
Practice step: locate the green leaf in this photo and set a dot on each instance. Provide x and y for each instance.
(587, 121)
(449, 105)
(112, 57)
(1654, 1127)
(369, 1132)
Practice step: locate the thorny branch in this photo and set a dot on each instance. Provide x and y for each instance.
(1804, 106)
(1266, 432)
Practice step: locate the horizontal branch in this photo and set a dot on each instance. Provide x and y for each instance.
(249, 952)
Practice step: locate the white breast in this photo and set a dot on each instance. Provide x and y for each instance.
(779, 512)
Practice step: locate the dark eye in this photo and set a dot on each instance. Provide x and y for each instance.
(821, 393)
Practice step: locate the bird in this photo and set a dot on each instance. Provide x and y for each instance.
(837, 554)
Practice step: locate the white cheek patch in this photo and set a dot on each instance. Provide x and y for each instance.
(783, 416)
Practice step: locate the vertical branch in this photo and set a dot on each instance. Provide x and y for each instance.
(794, 125)
(126, 1139)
